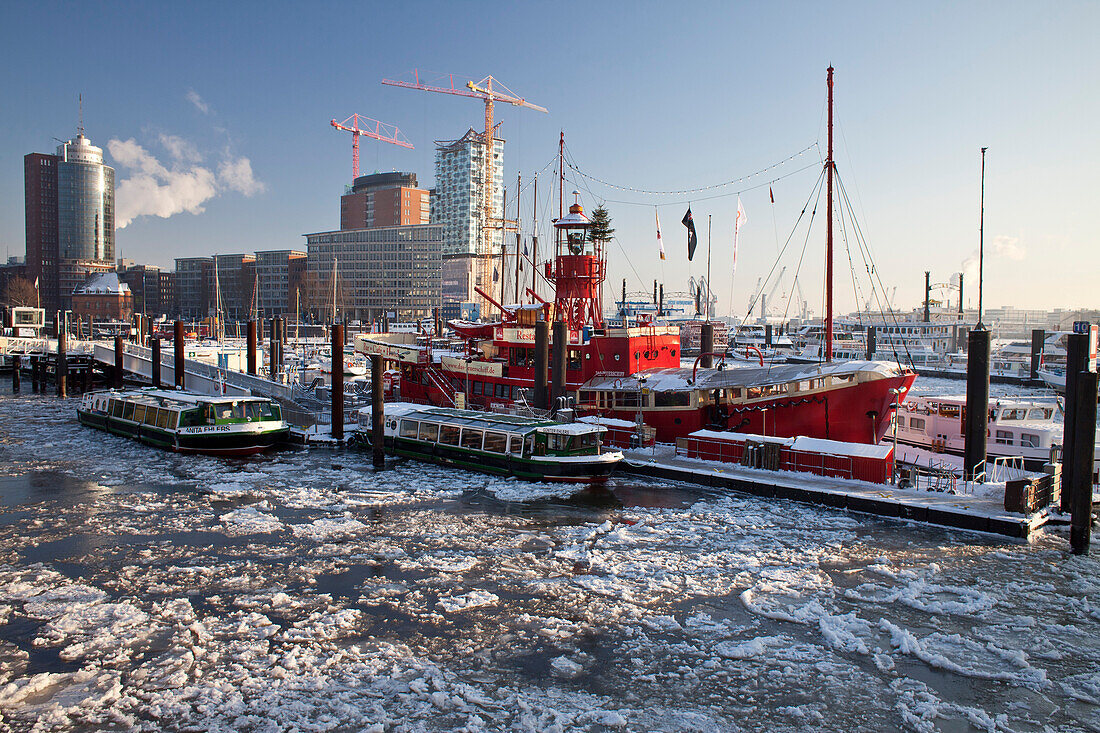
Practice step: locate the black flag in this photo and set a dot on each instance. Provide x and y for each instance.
(692, 239)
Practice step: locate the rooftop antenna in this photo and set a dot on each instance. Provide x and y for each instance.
(80, 103)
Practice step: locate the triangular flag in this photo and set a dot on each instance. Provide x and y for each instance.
(660, 242)
(693, 239)
(771, 195)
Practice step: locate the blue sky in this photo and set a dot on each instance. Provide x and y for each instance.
(649, 96)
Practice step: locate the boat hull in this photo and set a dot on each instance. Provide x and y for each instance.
(572, 471)
(209, 443)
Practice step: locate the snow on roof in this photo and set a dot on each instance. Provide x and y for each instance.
(106, 283)
(740, 437)
(803, 443)
(681, 378)
(612, 422)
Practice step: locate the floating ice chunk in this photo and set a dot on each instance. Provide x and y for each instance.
(746, 649)
(565, 668)
(324, 529)
(248, 520)
(465, 602)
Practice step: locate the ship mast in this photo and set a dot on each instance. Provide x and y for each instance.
(829, 167)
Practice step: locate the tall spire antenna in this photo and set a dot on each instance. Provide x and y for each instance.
(829, 167)
(80, 103)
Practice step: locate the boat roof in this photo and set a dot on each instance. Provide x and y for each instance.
(488, 420)
(681, 378)
(174, 398)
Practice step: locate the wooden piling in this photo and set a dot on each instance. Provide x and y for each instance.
(338, 381)
(977, 404)
(1077, 346)
(272, 350)
(251, 356)
(1084, 444)
(378, 415)
(1038, 338)
(872, 342)
(706, 345)
(559, 360)
(16, 363)
(542, 363)
(62, 365)
(120, 354)
(178, 362)
(34, 374)
(154, 343)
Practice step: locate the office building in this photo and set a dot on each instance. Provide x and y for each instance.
(193, 279)
(70, 218)
(392, 270)
(279, 281)
(382, 200)
(236, 285)
(144, 283)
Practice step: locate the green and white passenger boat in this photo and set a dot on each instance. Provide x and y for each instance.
(187, 422)
(503, 445)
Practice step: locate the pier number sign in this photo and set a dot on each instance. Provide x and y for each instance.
(1087, 328)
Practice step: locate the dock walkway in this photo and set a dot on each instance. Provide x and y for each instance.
(973, 512)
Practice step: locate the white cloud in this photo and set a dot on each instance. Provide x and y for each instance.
(194, 98)
(154, 189)
(236, 175)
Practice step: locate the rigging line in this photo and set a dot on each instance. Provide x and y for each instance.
(731, 182)
(716, 196)
(805, 243)
(873, 275)
(816, 189)
(856, 292)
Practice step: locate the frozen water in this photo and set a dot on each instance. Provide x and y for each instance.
(300, 590)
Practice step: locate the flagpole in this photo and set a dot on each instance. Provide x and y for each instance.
(708, 268)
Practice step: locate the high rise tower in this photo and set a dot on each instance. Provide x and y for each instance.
(70, 218)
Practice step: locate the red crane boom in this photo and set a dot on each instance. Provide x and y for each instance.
(360, 126)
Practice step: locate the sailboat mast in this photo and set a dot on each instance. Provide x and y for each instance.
(335, 263)
(829, 166)
(561, 185)
(519, 183)
(534, 237)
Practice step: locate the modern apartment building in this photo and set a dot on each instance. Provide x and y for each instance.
(382, 200)
(457, 205)
(193, 279)
(70, 218)
(393, 270)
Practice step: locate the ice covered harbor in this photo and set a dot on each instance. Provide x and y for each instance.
(141, 590)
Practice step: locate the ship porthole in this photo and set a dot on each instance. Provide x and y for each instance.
(677, 421)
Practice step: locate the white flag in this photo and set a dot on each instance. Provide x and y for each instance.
(660, 242)
(737, 222)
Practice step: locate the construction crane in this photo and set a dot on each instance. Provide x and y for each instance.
(490, 91)
(360, 126)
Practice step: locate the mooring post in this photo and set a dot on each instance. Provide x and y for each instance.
(542, 362)
(977, 404)
(120, 351)
(178, 365)
(559, 357)
(1038, 338)
(706, 345)
(1077, 345)
(251, 355)
(872, 342)
(34, 374)
(154, 365)
(1080, 530)
(337, 381)
(378, 414)
(272, 350)
(62, 365)
(16, 363)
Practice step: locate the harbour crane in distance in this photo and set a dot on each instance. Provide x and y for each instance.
(362, 126)
(490, 91)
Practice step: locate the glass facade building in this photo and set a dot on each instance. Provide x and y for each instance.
(85, 202)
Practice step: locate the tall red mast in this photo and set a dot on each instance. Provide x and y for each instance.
(829, 165)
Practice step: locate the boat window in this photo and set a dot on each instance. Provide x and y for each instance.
(173, 418)
(429, 432)
(950, 410)
(588, 440)
(269, 411)
(162, 418)
(843, 378)
(1029, 440)
(139, 414)
(223, 412)
(1015, 413)
(448, 434)
(516, 393)
(471, 438)
(239, 411)
(559, 442)
(502, 390)
(151, 416)
(496, 442)
(916, 423)
(116, 408)
(252, 411)
(587, 397)
(127, 410)
(1039, 413)
(672, 399)
(477, 388)
(529, 445)
(1004, 437)
(409, 428)
(626, 399)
